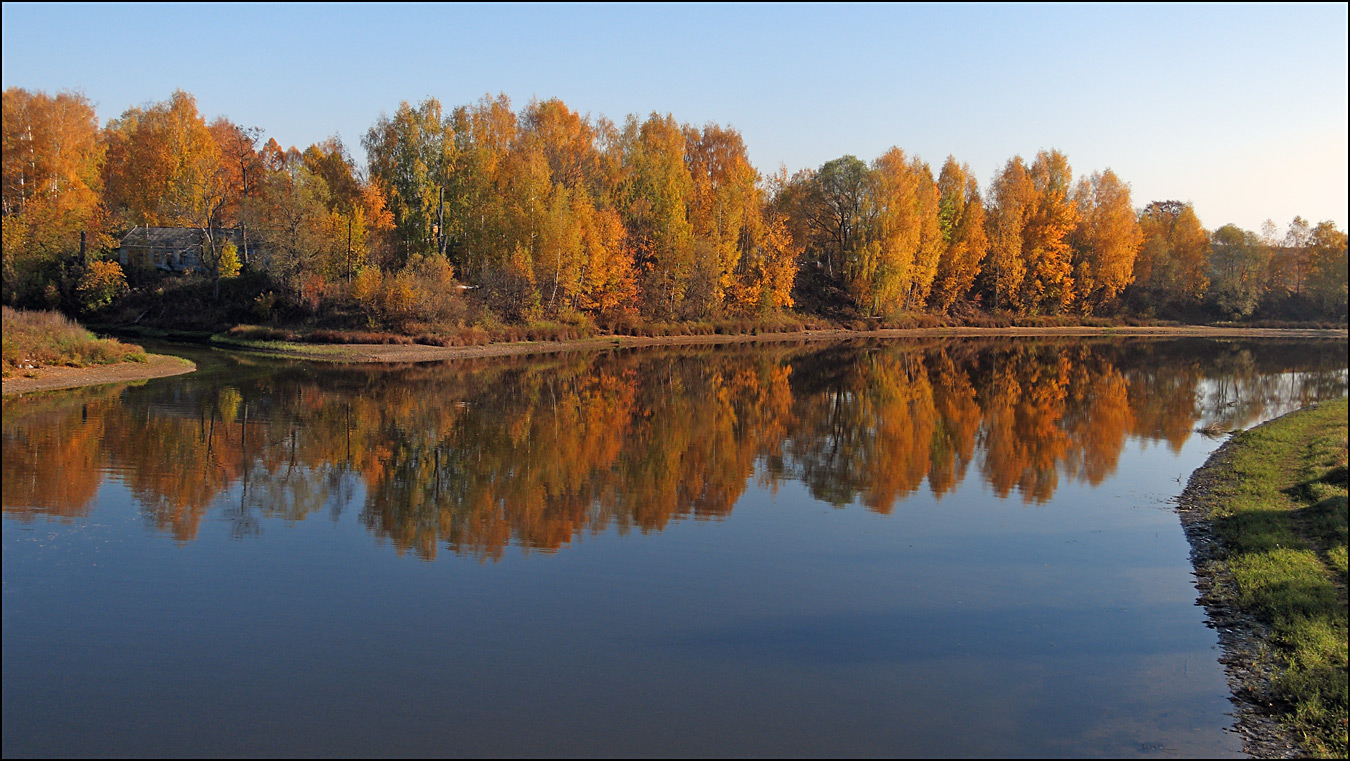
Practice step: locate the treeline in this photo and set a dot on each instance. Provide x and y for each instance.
(548, 214)
(476, 458)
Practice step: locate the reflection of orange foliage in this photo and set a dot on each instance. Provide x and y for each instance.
(176, 466)
(904, 415)
(957, 418)
(477, 456)
(1100, 420)
(1163, 399)
(1023, 439)
(54, 461)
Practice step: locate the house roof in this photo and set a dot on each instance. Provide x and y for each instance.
(173, 238)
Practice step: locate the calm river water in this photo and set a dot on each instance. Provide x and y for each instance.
(943, 548)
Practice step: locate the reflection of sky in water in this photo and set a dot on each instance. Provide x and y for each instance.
(961, 622)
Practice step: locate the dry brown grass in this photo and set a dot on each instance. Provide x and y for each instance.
(38, 339)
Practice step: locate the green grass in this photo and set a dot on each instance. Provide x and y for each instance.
(37, 339)
(1282, 514)
(289, 348)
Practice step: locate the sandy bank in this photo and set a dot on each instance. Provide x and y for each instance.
(51, 378)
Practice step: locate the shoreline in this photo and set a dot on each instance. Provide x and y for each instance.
(375, 353)
(161, 366)
(1245, 640)
(54, 378)
(1242, 636)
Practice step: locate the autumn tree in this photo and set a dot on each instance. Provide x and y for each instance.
(767, 269)
(1326, 264)
(1045, 236)
(742, 246)
(484, 133)
(293, 221)
(559, 254)
(101, 283)
(654, 198)
(1276, 287)
(242, 167)
(349, 200)
(165, 168)
(1296, 240)
(412, 155)
(723, 209)
(52, 159)
(895, 260)
(1105, 242)
(1173, 262)
(1012, 201)
(559, 163)
(965, 245)
(568, 143)
(608, 285)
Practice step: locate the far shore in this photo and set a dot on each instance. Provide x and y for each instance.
(424, 353)
(159, 366)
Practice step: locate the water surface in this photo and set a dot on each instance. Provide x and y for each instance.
(943, 548)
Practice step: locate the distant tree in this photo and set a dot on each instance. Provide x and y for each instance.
(484, 230)
(830, 203)
(242, 168)
(228, 264)
(413, 155)
(1045, 236)
(568, 143)
(52, 158)
(768, 267)
(1294, 256)
(164, 166)
(608, 280)
(1105, 242)
(898, 237)
(1238, 262)
(293, 221)
(654, 203)
(1012, 201)
(725, 212)
(961, 220)
(1327, 275)
(1173, 263)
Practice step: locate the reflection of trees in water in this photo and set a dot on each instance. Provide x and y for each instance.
(863, 427)
(1240, 392)
(476, 456)
(53, 453)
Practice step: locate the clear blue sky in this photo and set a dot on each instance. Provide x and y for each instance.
(1240, 109)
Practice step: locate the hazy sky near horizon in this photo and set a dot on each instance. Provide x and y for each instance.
(1240, 109)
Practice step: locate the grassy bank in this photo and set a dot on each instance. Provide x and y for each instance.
(1276, 501)
(37, 339)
